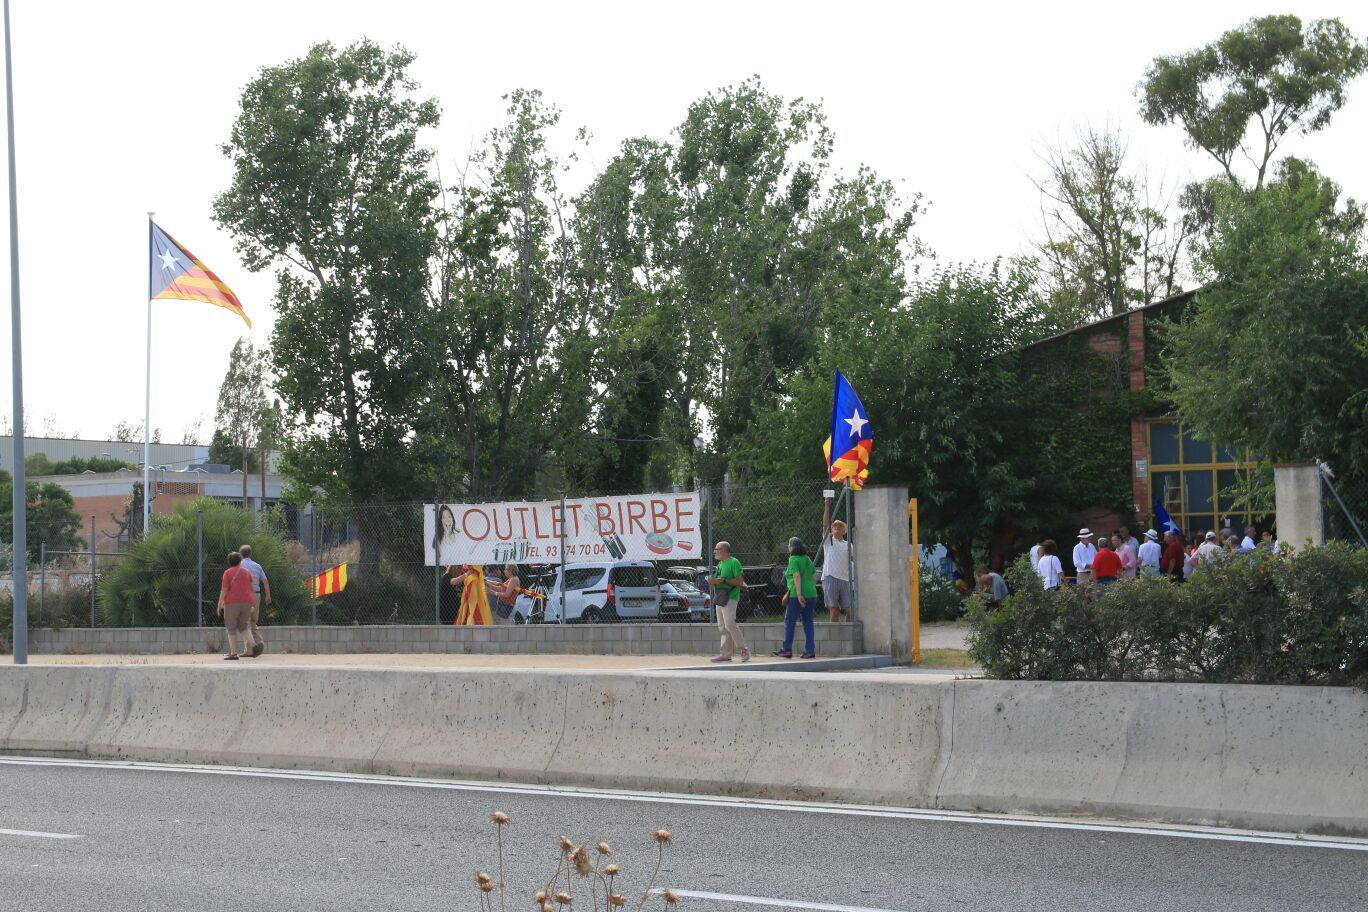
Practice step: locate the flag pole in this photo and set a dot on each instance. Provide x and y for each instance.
(19, 538)
(147, 403)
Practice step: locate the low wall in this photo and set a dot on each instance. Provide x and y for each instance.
(582, 639)
(1281, 758)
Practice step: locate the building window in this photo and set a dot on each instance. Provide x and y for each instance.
(1194, 479)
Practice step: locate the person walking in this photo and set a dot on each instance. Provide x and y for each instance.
(505, 594)
(235, 603)
(835, 564)
(261, 594)
(1106, 566)
(1083, 554)
(1150, 554)
(1050, 570)
(802, 600)
(726, 583)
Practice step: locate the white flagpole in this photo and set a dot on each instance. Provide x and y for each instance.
(147, 414)
(19, 539)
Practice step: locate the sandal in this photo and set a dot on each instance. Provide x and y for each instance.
(231, 657)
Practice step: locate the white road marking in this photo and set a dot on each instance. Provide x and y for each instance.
(770, 901)
(39, 835)
(1213, 834)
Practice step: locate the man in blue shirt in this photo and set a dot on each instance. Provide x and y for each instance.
(261, 589)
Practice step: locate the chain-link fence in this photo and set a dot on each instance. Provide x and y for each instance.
(82, 577)
(1344, 508)
(391, 580)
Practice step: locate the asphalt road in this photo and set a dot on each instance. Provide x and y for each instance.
(160, 839)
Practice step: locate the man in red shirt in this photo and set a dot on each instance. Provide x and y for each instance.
(1171, 564)
(1106, 565)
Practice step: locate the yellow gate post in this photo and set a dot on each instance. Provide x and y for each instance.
(914, 578)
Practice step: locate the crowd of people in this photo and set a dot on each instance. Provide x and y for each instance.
(1105, 559)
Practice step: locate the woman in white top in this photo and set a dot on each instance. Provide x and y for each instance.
(1050, 569)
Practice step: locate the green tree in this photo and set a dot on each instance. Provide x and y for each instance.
(510, 326)
(241, 406)
(157, 582)
(331, 186)
(1107, 246)
(1269, 73)
(1270, 355)
(50, 514)
(223, 451)
(36, 464)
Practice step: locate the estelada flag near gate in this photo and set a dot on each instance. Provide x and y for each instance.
(848, 447)
(329, 581)
(474, 600)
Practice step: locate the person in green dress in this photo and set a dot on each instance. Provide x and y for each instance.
(801, 576)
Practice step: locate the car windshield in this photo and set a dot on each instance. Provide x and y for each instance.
(634, 577)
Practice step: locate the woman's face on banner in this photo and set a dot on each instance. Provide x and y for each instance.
(448, 520)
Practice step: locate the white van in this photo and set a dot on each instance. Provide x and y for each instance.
(597, 592)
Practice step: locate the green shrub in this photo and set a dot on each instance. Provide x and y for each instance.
(1260, 618)
(939, 600)
(155, 584)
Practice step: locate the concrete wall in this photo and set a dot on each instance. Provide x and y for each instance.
(1298, 505)
(584, 639)
(881, 541)
(1265, 757)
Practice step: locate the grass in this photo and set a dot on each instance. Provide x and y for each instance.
(945, 658)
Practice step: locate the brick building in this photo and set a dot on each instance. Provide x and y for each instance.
(1190, 477)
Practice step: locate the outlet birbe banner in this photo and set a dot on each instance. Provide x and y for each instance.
(631, 527)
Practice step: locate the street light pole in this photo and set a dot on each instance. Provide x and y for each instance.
(20, 537)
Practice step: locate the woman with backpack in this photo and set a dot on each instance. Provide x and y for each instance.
(801, 577)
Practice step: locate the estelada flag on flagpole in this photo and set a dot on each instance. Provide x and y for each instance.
(177, 274)
(848, 448)
(334, 579)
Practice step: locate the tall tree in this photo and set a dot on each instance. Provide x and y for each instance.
(332, 187)
(50, 514)
(508, 385)
(1267, 78)
(1271, 356)
(1107, 244)
(241, 400)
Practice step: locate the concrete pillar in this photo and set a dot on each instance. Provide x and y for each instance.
(881, 540)
(1298, 504)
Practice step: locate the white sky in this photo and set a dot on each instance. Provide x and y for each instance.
(121, 109)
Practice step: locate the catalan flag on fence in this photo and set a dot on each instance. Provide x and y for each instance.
(852, 437)
(329, 581)
(177, 274)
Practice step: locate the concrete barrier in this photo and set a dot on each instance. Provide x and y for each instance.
(841, 639)
(1265, 757)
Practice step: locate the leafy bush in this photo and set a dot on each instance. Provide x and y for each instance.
(939, 600)
(155, 583)
(1300, 617)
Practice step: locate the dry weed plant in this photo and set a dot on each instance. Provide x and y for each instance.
(574, 866)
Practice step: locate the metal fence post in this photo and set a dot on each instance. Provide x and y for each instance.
(92, 571)
(199, 569)
(562, 559)
(707, 555)
(850, 551)
(436, 570)
(313, 560)
(42, 579)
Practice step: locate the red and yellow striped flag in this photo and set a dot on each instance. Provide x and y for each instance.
(329, 581)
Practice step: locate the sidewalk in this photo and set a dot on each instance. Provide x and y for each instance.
(401, 660)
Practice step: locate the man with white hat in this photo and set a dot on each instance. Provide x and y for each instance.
(1208, 548)
(1150, 552)
(1083, 555)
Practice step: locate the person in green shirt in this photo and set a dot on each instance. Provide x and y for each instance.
(801, 576)
(726, 587)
